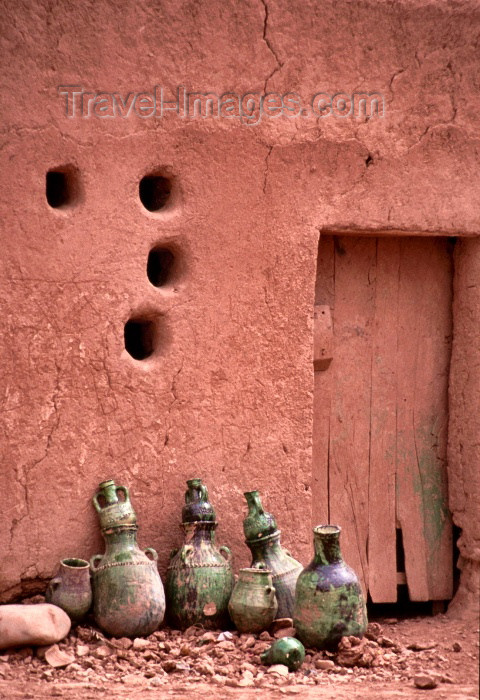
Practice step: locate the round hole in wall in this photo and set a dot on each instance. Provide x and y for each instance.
(140, 335)
(62, 186)
(154, 191)
(161, 266)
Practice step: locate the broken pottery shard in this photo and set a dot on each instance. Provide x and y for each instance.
(38, 625)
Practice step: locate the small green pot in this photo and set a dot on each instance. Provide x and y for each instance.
(253, 604)
(287, 651)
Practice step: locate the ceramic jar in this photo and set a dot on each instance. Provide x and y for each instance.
(263, 539)
(199, 579)
(253, 605)
(197, 506)
(128, 595)
(329, 603)
(287, 651)
(71, 589)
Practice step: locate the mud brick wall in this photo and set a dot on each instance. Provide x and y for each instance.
(227, 392)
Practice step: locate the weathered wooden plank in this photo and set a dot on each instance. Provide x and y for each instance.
(355, 260)
(431, 407)
(382, 568)
(324, 294)
(424, 324)
(408, 483)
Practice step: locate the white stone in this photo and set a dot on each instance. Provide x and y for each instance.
(32, 625)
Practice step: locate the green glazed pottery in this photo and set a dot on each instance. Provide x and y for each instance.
(263, 539)
(128, 595)
(329, 603)
(112, 510)
(197, 506)
(71, 589)
(199, 580)
(253, 604)
(287, 651)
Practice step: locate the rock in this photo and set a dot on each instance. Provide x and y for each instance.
(421, 646)
(57, 658)
(284, 632)
(206, 668)
(385, 642)
(227, 646)
(38, 625)
(356, 652)
(246, 681)
(425, 682)
(374, 631)
(279, 669)
(265, 637)
(281, 623)
(456, 646)
(324, 664)
(82, 650)
(225, 636)
(103, 651)
(140, 644)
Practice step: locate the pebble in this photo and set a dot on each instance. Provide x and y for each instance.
(456, 646)
(425, 682)
(324, 664)
(57, 658)
(140, 644)
(279, 669)
(421, 646)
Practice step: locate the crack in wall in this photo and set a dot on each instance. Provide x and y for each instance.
(269, 45)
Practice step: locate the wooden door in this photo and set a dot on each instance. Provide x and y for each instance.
(383, 317)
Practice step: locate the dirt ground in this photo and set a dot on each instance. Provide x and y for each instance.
(204, 664)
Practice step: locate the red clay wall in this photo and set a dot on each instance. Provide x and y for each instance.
(228, 396)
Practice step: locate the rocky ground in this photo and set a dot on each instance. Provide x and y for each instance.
(398, 659)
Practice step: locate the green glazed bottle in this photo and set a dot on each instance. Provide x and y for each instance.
(329, 603)
(253, 604)
(197, 506)
(128, 595)
(287, 651)
(263, 540)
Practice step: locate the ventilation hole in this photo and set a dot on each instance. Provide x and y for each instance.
(154, 191)
(160, 266)
(140, 338)
(400, 551)
(62, 187)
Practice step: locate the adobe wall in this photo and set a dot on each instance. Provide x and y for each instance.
(228, 394)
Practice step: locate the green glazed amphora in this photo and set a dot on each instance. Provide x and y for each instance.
(197, 506)
(253, 605)
(287, 651)
(199, 580)
(128, 595)
(329, 602)
(113, 505)
(263, 540)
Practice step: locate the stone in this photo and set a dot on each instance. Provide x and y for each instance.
(82, 650)
(225, 636)
(284, 632)
(279, 669)
(247, 680)
(280, 623)
(140, 644)
(57, 658)
(421, 646)
(425, 682)
(456, 646)
(324, 664)
(37, 625)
